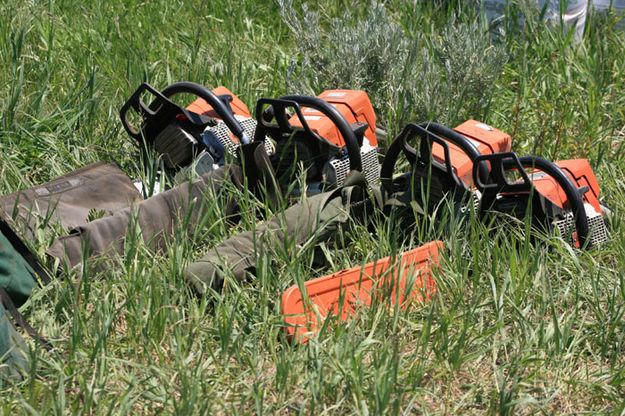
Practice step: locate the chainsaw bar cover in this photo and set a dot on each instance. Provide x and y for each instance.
(394, 280)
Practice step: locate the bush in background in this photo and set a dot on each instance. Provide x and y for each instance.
(445, 76)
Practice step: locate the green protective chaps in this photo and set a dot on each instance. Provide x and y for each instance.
(16, 275)
(17, 282)
(155, 217)
(13, 351)
(318, 218)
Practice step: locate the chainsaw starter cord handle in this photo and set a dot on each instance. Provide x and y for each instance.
(218, 105)
(351, 142)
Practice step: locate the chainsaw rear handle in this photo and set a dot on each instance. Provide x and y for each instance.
(502, 162)
(278, 108)
(214, 101)
(429, 133)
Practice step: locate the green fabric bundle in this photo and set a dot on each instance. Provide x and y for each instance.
(17, 280)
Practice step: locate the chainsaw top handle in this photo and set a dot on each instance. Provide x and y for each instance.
(498, 183)
(279, 107)
(428, 133)
(150, 111)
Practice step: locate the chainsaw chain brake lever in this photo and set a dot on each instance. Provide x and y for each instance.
(136, 103)
(359, 128)
(272, 115)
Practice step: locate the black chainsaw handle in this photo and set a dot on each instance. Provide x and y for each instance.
(428, 133)
(351, 142)
(218, 105)
(148, 112)
(502, 162)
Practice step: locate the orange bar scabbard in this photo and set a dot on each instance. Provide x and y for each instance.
(341, 293)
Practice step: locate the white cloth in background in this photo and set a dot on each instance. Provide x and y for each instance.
(574, 16)
(574, 13)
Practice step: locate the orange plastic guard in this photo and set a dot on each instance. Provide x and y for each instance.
(486, 139)
(343, 292)
(200, 106)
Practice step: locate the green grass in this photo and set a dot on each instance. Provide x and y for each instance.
(514, 328)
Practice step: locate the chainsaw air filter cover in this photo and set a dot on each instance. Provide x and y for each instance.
(580, 171)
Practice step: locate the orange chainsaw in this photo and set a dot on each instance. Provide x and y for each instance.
(563, 195)
(444, 155)
(329, 136)
(180, 134)
(442, 163)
